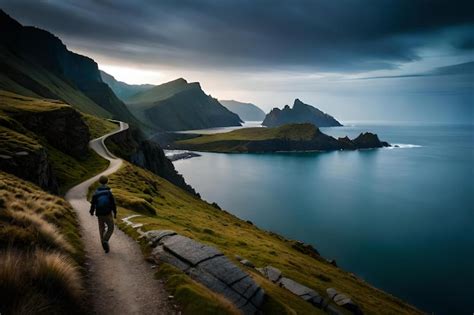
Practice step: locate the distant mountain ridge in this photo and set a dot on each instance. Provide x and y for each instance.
(246, 111)
(121, 89)
(179, 105)
(34, 62)
(159, 92)
(300, 113)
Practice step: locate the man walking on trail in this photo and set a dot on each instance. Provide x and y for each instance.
(103, 204)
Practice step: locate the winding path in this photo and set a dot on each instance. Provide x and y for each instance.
(120, 282)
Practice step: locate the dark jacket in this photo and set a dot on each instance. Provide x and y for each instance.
(103, 190)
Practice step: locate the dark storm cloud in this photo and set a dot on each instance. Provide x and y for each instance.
(465, 69)
(325, 35)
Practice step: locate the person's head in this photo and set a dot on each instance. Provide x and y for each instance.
(103, 180)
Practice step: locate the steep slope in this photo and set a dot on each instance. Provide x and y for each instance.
(180, 211)
(246, 111)
(123, 90)
(178, 105)
(31, 148)
(300, 113)
(36, 63)
(41, 252)
(158, 93)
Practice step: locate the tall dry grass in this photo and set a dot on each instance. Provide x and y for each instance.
(39, 282)
(40, 251)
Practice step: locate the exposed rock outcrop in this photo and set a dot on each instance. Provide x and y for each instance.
(300, 113)
(131, 146)
(208, 266)
(32, 165)
(63, 128)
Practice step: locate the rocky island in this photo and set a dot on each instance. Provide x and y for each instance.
(300, 113)
(290, 137)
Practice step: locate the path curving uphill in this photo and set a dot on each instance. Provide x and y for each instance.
(120, 282)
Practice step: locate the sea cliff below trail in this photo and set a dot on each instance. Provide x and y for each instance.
(291, 137)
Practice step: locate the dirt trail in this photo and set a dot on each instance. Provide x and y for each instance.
(121, 282)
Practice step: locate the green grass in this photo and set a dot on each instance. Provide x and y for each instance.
(13, 142)
(15, 103)
(98, 126)
(71, 171)
(40, 251)
(238, 140)
(193, 297)
(27, 78)
(289, 132)
(192, 217)
(14, 137)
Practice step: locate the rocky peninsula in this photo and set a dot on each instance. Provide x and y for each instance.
(290, 137)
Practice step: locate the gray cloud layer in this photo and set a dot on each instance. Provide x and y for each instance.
(325, 35)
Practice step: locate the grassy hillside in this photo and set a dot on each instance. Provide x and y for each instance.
(27, 78)
(157, 93)
(289, 132)
(14, 137)
(98, 126)
(179, 105)
(40, 251)
(139, 191)
(122, 89)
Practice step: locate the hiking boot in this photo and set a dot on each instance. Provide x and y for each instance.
(105, 246)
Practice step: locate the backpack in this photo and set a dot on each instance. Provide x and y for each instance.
(103, 202)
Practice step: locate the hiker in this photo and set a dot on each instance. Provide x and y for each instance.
(103, 204)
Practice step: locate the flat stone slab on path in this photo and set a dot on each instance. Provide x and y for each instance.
(210, 267)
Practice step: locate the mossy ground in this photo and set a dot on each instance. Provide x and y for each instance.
(137, 190)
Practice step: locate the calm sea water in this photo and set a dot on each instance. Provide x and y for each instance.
(402, 218)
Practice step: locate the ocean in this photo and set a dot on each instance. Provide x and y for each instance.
(400, 218)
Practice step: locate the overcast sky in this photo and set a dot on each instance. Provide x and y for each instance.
(398, 60)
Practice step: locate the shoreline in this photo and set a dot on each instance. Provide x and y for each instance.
(180, 155)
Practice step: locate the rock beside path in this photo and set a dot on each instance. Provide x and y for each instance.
(272, 273)
(343, 300)
(208, 266)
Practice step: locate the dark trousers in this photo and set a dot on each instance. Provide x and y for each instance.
(106, 227)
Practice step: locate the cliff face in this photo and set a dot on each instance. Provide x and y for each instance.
(41, 51)
(32, 165)
(131, 146)
(63, 128)
(366, 140)
(178, 105)
(300, 113)
(30, 128)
